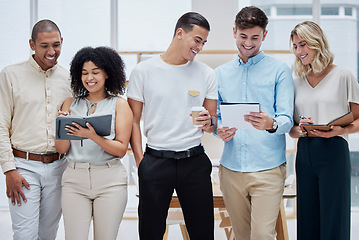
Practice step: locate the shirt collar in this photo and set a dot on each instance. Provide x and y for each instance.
(253, 60)
(35, 65)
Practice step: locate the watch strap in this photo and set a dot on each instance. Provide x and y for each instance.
(274, 127)
(213, 121)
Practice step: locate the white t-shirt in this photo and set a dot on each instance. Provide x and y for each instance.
(164, 91)
(329, 99)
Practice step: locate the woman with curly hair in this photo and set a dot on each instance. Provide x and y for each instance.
(323, 92)
(94, 185)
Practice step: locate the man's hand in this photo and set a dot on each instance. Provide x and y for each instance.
(226, 133)
(204, 119)
(260, 121)
(14, 183)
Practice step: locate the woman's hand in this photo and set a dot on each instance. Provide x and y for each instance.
(62, 113)
(79, 131)
(62, 146)
(334, 131)
(304, 121)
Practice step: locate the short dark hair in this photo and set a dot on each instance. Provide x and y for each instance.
(249, 17)
(104, 58)
(188, 20)
(44, 25)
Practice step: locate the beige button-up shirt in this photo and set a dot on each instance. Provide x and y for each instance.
(29, 100)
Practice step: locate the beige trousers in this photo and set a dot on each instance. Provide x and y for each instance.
(93, 192)
(253, 201)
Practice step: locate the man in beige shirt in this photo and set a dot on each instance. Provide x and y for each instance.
(31, 93)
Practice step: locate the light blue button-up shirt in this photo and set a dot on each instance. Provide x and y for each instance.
(268, 81)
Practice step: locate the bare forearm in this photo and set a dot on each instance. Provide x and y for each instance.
(136, 137)
(136, 143)
(352, 128)
(113, 147)
(211, 106)
(212, 128)
(62, 146)
(294, 132)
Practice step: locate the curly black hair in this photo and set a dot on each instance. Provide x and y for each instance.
(104, 58)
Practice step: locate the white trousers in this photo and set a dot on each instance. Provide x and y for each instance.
(39, 217)
(93, 192)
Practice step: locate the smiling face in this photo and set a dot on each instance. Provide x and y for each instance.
(47, 49)
(249, 41)
(302, 50)
(93, 78)
(192, 42)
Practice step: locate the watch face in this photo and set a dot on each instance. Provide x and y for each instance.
(275, 125)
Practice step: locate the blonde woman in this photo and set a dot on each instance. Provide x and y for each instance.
(323, 92)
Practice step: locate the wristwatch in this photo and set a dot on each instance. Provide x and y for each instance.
(274, 127)
(213, 121)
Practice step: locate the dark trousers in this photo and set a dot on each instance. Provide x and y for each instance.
(158, 177)
(323, 189)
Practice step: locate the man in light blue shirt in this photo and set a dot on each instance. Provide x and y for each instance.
(252, 170)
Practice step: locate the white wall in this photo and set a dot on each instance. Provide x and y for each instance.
(3, 198)
(221, 15)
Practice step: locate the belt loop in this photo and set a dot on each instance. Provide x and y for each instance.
(74, 165)
(27, 155)
(188, 153)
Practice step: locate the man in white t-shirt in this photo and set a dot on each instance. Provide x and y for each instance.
(165, 88)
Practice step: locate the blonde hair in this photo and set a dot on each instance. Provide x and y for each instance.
(315, 39)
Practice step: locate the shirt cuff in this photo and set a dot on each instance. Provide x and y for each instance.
(7, 166)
